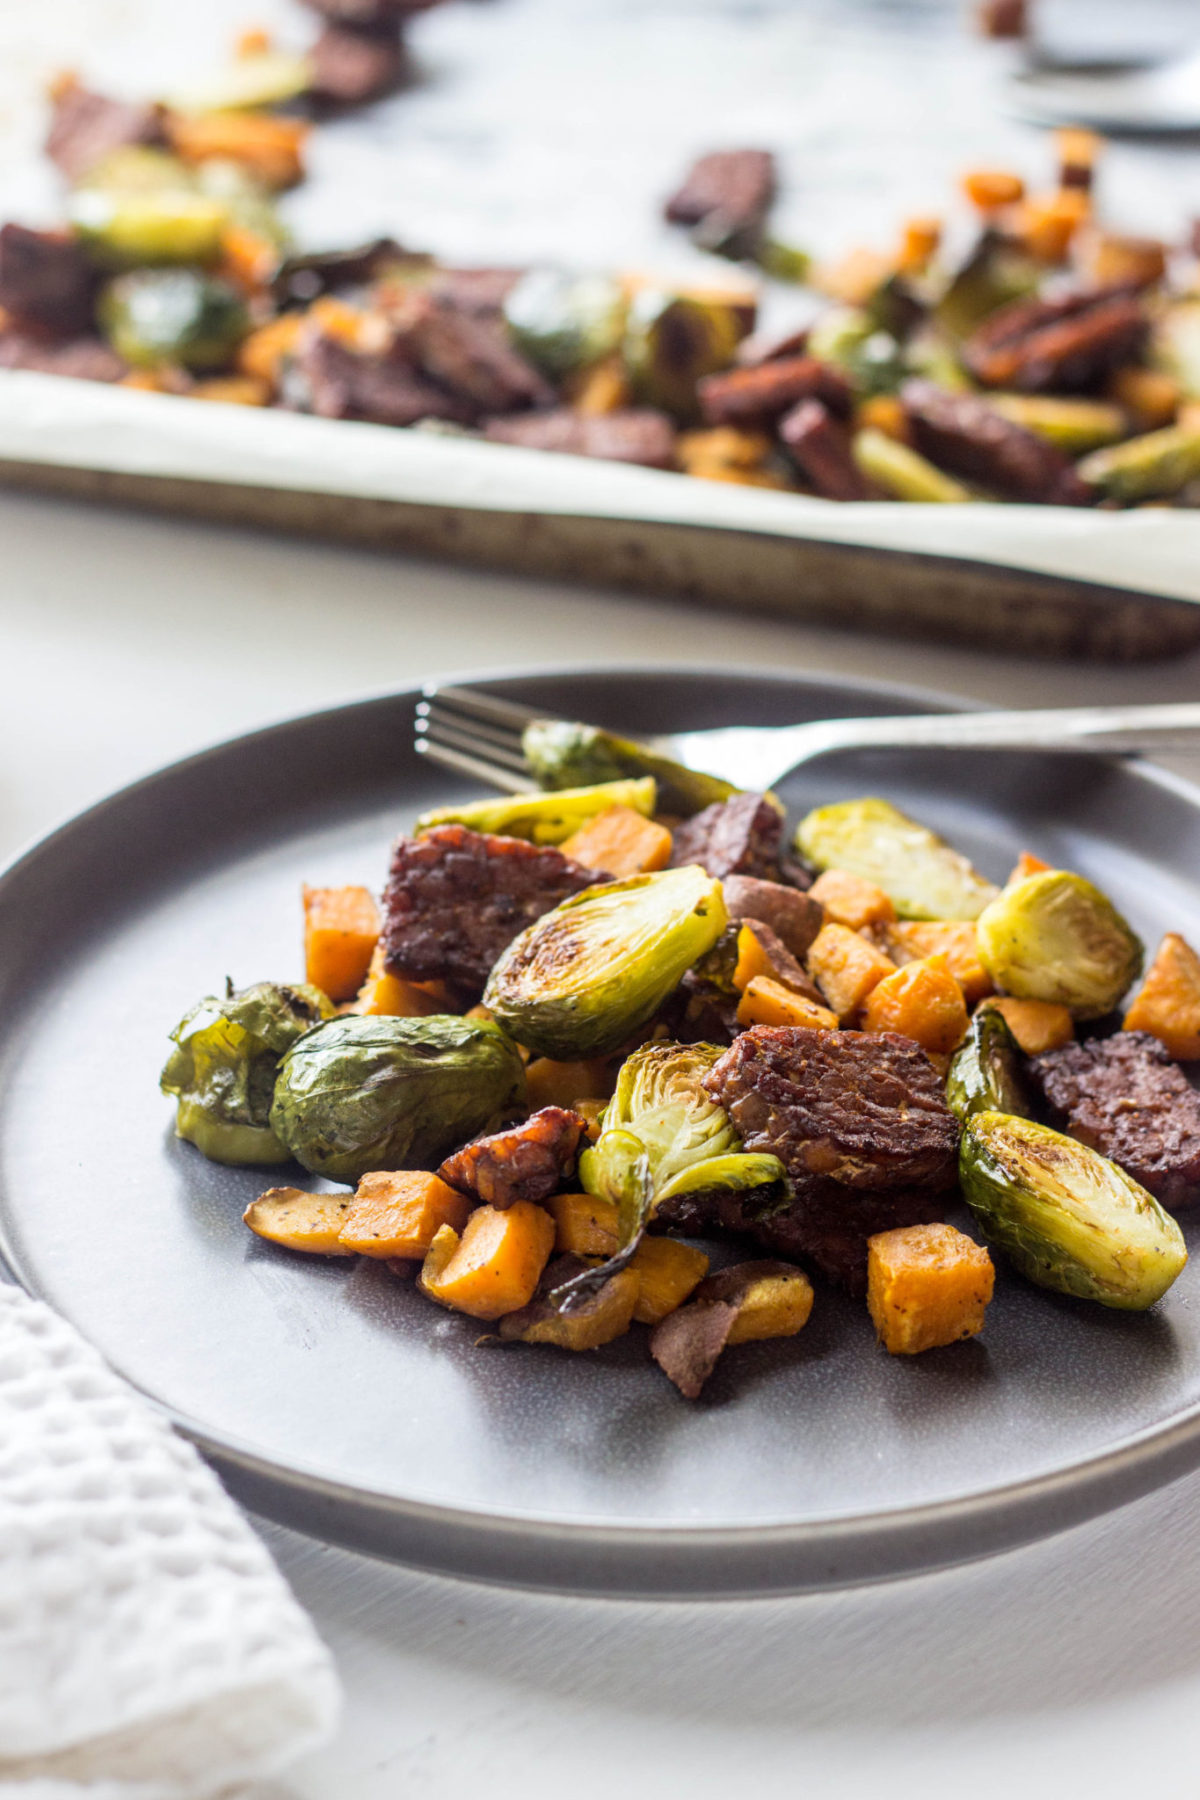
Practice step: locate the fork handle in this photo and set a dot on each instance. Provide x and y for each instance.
(1122, 730)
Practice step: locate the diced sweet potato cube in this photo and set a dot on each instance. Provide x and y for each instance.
(886, 413)
(382, 993)
(989, 189)
(1167, 1004)
(773, 1299)
(268, 146)
(300, 1221)
(584, 1225)
(1150, 396)
(549, 1083)
(852, 900)
(607, 1315)
(1037, 1025)
(667, 1272)
(400, 1214)
(262, 352)
(592, 1111)
(926, 1285)
(341, 929)
(495, 1266)
(957, 940)
(922, 1001)
(846, 967)
(760, 951)
(767, 1002)
(620, 842)
(1027, 864)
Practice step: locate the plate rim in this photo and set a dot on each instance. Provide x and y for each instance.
(656, 1561)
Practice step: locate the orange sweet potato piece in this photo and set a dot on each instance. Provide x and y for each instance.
(852, 900)
(926, 1285)
(1037, 1025)
(667, 1271)
(549, 1083)
(232, 390)
(262, 352)
(268, 146)
(400, 1214)
(584, 1225)
(761, 952)
(1168, 1002)
(768, 1002)
(601, 1318)
(990, 189)
(846, 967)
(922, 1001)
(914, 940)
(1027, 864)
(341, 929)
(390, 995)
(620, 842)
(495, 1266)
(300, 1221)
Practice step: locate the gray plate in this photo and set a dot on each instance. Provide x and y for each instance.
(337, 1400)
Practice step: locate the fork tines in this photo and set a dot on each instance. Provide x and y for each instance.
(476, 734)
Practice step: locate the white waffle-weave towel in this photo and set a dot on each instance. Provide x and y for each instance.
(149, 1648)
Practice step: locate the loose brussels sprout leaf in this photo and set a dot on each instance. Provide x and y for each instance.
(563, 322)
(663, 1136)
(1056, 937)
(363, 1093)
(222, 1070)
(671, 340)
(562, 754)
(545, 818)
(153, 316)
(1067, 1217)
(987, 1074)
(581, 979)
(922, 875)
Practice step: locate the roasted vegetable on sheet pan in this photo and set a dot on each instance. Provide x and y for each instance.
(921, 874)
(1056, 937)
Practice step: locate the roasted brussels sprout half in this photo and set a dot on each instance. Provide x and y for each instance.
(1075, 426)
(359, 1094)
(222, 1070)
(1065, 1216)
(903, 472)
(579, 981)
(140, 206)
(993, 272)
(1055, 937)
(851, 340)
(546, 818)
(671, 340)
(987, 1074)
(562, 754)
(663, 1136)
(180, 316)
(563, 322)
(1153, 467)
(922, 875)
(266, 78)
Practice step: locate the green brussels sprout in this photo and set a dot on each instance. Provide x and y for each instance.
(849, 338)
(563, 322)
(267, 78)
(663, 1135)
(987, 1074)
(1156, 466)
(992, 273)
(358, 1094)
(545, 818)
(903, 473)
(1074, 426)
(140, 206)
(671, 340)
(1055, 937)
(563, 754)
(581, 979)
(1065, 1216)
(930, 353)
(173, 315)
(222, 1070)
(923, 876)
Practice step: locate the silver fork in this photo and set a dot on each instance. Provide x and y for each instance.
(479, 735)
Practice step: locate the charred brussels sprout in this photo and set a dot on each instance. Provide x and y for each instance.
(671, 340)
(1056, 937)
(1067, 1217)
(141, 206)
(904, 473)
(562, 754)
(1075, 426)
(545, 818)
(173, 315)
(852, 341)
(1153, 467)
(987, 1074)
(359, 1094)
(563, 322)
(663, 1135)
(993, 272)
(581, 979)
(923, 876)
(222, 1070)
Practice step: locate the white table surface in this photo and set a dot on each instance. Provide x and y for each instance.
(1070, 1668)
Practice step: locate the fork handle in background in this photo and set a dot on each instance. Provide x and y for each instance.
(1119, 730)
